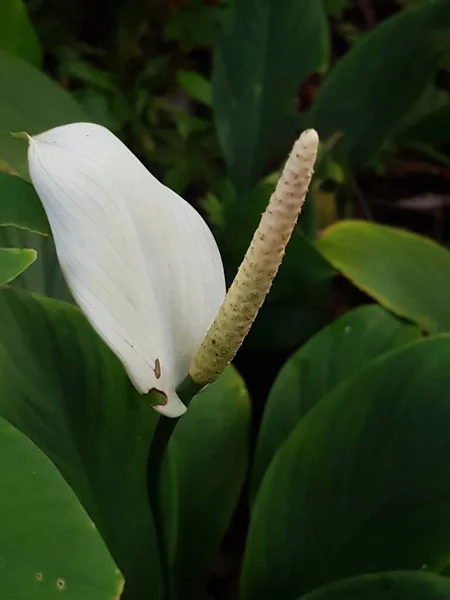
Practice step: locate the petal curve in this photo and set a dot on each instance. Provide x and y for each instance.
(139, 260)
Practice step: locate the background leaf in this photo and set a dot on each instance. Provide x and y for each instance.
(427, 120)
(44, 276)
(210, 450)
(396, 585)
(363, 482)
(334, 354)
(48, 545)
(17, 35)
(31, 102)
(195, 85)
(62, 387)
(336, 8)
(394, 63)
(21, 209)
(20, 205)
(14, 261)
(407, 273)
(267, 49)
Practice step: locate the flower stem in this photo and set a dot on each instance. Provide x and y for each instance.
(165, 427)
(161, 438)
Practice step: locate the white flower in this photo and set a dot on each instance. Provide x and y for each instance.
(140, 261)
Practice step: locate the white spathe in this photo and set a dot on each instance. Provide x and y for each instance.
(139, 260)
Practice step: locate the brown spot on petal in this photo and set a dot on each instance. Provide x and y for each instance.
(157, 369)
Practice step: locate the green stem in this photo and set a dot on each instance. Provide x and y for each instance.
(164, 429)
(163, 433)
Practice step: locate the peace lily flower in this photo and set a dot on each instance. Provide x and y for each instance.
(142, 264)
(139, 260)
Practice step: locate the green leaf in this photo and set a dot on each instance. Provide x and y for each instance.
(267, 49)
(44, 276)
(363, 482)
(336, 353)
(402, 585)
(409, 3)
(20, 205)
(433, 129)
(281, 327)
(194, 27)
(17, 35)
(395, 63)
(31, 102)
(49, 548)
(62, 387)
(21, 209)
(336, 8)
(210, 451)
(432, 105)
(407, 273)
(195, 85)
(14, 261)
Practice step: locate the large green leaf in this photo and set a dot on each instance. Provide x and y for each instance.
(210, 451)
(20, 205)
(267, 49)
(407, 273)
(337, 352)
(62, 387)
(31, 102)
(401, 585)
(17, 35)
(375, 84)
(363, 482)
(48, 545)
(14, 261)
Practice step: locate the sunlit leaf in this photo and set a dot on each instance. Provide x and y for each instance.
(407, 273)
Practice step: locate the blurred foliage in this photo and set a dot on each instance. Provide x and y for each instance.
(210, 95)
(142, 71)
